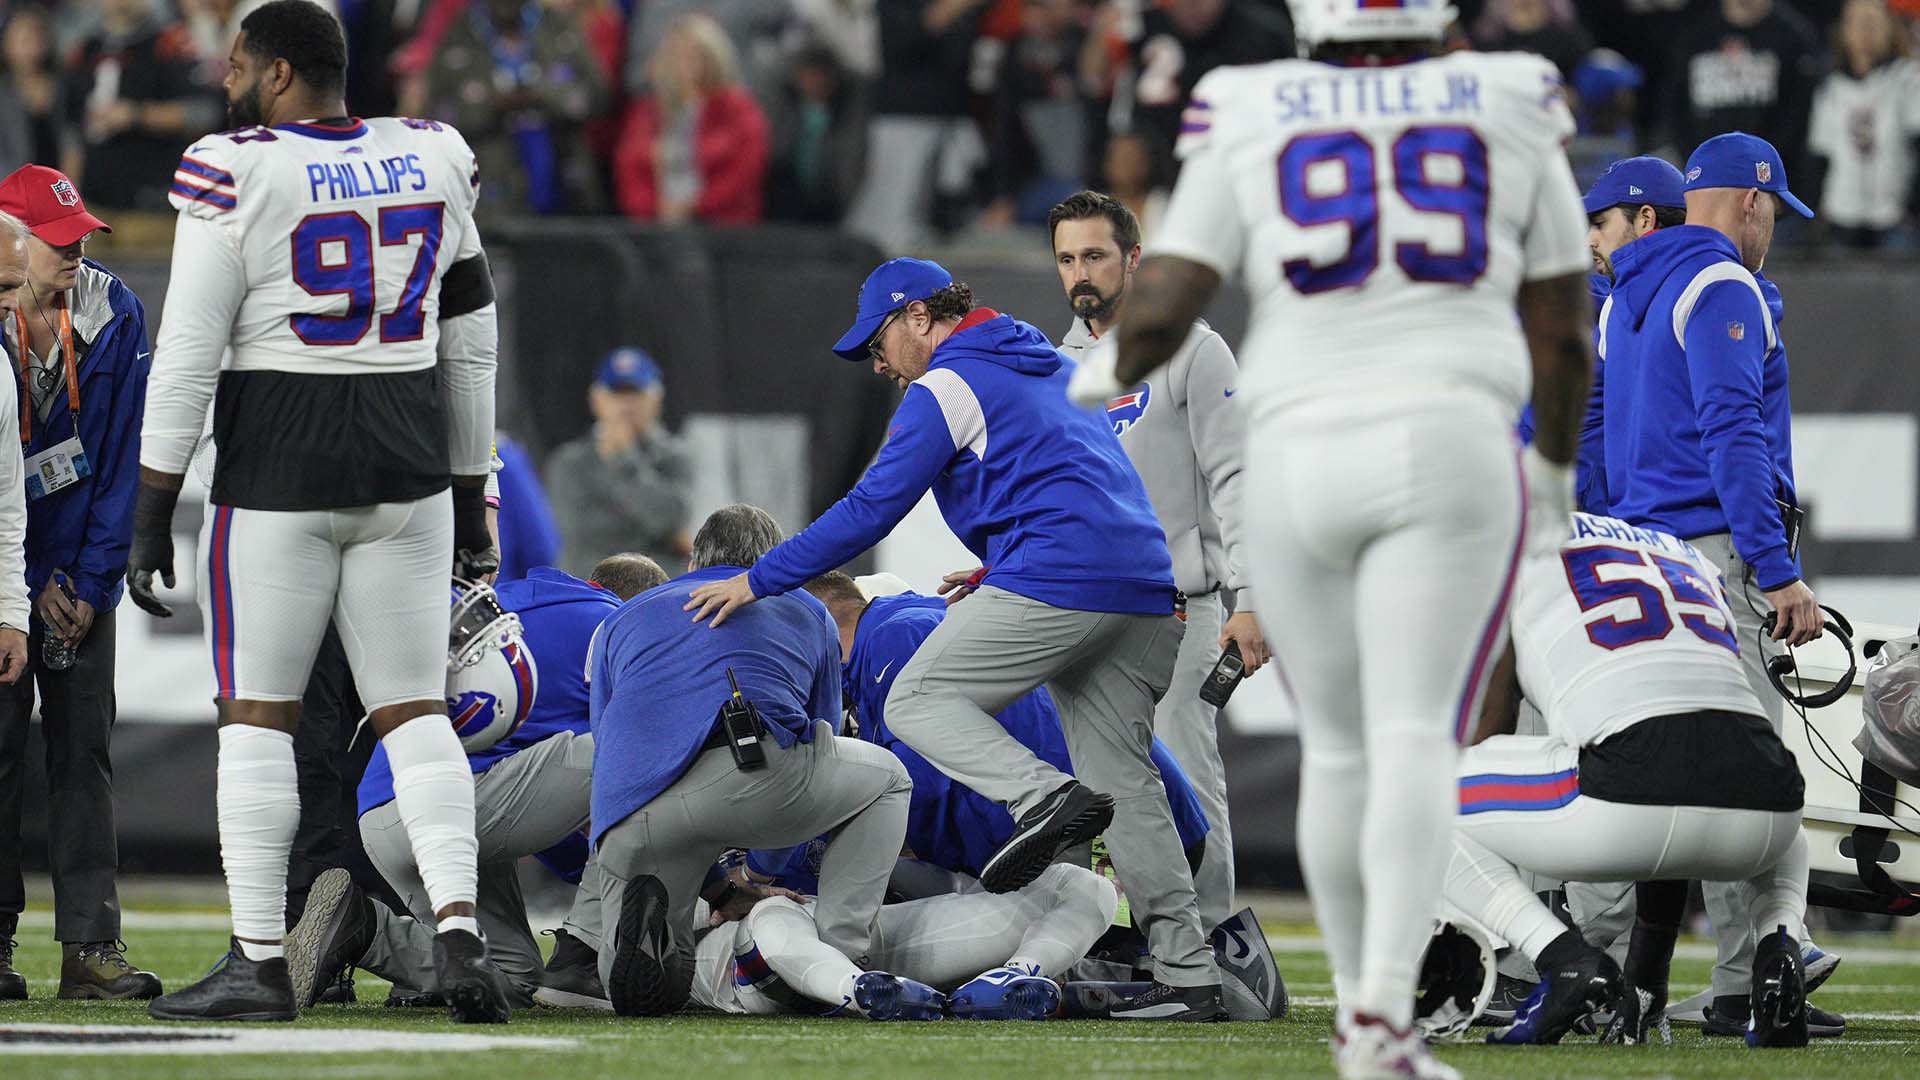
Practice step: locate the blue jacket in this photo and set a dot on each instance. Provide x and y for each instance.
(1589, 470)
(1038, 489)
(1697, 420)
(950, 825)
(528, 535)
(657, 682)
(558, 613)
(87, 527)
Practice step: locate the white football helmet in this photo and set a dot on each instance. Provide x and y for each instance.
(1457, 974)
(1321, 22)
(491, 678)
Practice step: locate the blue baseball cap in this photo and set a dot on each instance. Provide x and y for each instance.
(892, 286)
(1636, 182)
(1740, 160)
(627, 368)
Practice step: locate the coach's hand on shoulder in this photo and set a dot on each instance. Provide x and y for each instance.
(13, 654)
(1244, 630)
(1797, 614)
(720, 599)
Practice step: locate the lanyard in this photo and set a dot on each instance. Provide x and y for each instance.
(26, 374)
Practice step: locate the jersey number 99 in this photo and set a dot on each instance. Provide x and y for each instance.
(333, 256)
(1357, 204)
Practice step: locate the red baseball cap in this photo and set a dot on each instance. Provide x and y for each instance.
(49, 204)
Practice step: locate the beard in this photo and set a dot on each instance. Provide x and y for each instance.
(245, 111)
(1090, 305)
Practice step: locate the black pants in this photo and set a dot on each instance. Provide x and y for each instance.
(76, 711)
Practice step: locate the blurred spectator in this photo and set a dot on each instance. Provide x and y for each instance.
(754, 27)
(1546, 27)
(529, 535)
(694, 148)
(850, 28)
(134, 91)
(1866, 117)
(1136, 172)
(819, 125)
(1168, 49)
(33, 122)
(213, 24)
(1606, 86)
(922, 142)
(516, 77)
(625, 485)
(1745, 65)
(1035, 144)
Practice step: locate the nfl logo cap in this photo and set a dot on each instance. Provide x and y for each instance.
(894, 285)
(1636, 182)
(627, 369)
(49, 204)
(1740, 160)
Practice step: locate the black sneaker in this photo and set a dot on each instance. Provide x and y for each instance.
(473, 987)
(333, 934)
(1727, 1016)
(13, 985)
(572, 978)
(645, 979)
(1072, 815)
(339, 991)
(1583, 982)
(1188, 1004)
(236, 989)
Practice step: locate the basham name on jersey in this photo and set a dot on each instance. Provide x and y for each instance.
(1586, 526)
(1354, 95)
(328, 181)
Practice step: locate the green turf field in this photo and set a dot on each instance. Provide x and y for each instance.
(1878, 987)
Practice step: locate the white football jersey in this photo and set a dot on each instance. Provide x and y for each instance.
(1621, 625)
(1384, 217)
(342, 236)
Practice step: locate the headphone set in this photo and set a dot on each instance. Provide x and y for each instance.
(1779, 667)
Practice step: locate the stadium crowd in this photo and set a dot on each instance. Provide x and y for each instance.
(980, 114)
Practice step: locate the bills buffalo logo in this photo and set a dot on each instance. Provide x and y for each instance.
(472, 711)
(1693, 174)
(1127, 409)
(1763, 171)
(1737, 331)
(64, 194)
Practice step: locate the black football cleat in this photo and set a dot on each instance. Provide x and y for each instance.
(1582, 983)
(572, 977)
(646, 979)
(236, 989)
(1072, 815)
(475, 990)
(333, 934)
(1185, 1004)
(1778, 1010)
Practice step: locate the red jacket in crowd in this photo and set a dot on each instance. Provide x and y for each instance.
(730, 151)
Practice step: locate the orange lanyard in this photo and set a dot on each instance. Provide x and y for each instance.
(72, 364)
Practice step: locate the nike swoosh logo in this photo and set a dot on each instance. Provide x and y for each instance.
(883, 673)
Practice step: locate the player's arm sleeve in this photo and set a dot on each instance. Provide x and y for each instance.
(1726, 345)
(921, 441)
(469, 351)
(1218, 430)
(1202, 220)
(204, 290)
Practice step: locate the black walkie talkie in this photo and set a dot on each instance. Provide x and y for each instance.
(1225, 677)
(741, 721)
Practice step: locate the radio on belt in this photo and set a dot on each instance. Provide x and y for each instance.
(743, 727)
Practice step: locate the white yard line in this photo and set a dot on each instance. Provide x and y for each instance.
(196, 1041)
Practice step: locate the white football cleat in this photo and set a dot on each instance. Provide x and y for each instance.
(1370, 1049)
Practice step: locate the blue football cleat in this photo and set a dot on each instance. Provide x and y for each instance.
(1005, 993)
(1588, 981)
(1819, 966)
(889, 997)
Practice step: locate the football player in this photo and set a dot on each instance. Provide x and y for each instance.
(336, 258)
(1659, 767)
(1389, 206)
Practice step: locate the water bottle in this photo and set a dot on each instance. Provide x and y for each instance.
(55, 651)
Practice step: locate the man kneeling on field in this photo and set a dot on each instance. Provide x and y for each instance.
(1660, 768)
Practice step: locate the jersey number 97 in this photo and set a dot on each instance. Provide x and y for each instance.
(1357, 204)
(333, 255)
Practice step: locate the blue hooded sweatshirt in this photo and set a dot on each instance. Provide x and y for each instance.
(558, 615)
(1697, 422)
(86, 528)
(1038, 489)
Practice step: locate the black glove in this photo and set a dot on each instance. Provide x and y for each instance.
(152, 548)
(474, 556)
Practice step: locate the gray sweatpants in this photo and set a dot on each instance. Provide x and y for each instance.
(1106, 673)
(855, 792)
(523, 805)
(1190, 728)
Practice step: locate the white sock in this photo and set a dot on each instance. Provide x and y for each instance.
(1333, 792)
(790, 943)
(257, 792)
(1405, 833)
(433, 790)
(461, 922)
(1068, 908)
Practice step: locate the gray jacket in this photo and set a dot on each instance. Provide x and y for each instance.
(634, 502)
(1184, 432)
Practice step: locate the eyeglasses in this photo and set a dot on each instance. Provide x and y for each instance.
(873, 345)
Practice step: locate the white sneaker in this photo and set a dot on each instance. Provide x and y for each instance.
(1371, 1050)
